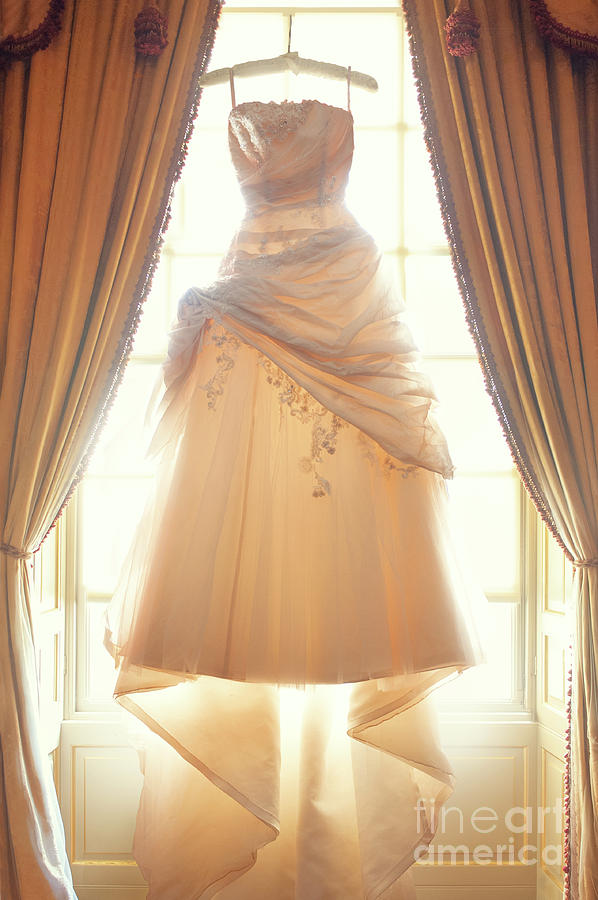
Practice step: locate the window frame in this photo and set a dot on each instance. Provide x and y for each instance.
(522, 707)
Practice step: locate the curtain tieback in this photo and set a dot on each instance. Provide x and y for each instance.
(14, 551)
(591, 563)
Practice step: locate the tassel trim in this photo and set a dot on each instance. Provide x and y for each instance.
(14, 47)
(474, 317)
(152, 257)
(462, 31)
(578, 42)
(477, 329)
(151, 32)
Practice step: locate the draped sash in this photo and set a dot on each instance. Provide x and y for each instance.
(326, 312)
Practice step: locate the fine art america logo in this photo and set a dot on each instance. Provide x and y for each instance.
(526, 844)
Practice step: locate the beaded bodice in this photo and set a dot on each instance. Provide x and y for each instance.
(291, 154)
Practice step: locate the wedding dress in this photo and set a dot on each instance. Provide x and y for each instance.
(297, 538)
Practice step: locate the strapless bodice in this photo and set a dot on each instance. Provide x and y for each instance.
(291, 154)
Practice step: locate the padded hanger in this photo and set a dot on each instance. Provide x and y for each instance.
(290, 62)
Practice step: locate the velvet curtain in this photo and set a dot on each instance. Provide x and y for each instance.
(92, 139)
(512, 133)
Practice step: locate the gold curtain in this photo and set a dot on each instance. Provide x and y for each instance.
(92, 139)
(513, 136)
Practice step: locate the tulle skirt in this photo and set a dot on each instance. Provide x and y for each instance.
(283, 547)
(253, 792)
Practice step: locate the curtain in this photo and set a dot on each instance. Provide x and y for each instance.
(92, 139)
(511, 131)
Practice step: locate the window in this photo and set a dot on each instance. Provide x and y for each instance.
(392, 193)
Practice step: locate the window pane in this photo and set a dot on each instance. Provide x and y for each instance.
(435, 307)
(494, 679)
(242, 37)
(109, 510)
(373, 192)
(213, 204)
(423, 222)
(367, 43)
(467, 416)
(100, 671)
(121, 448)
(486, 512)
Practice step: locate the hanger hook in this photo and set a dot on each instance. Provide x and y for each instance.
(290, 30)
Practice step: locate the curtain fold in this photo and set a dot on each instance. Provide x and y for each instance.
(92, 138)
(511, 131)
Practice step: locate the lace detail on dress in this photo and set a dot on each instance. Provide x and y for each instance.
(390, 465)
(274, 123)
(315, 175)
(301, 404)
(384, 462)
(275, 120)
(228, 344)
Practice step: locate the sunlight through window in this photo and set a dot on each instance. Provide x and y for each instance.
(392, 194)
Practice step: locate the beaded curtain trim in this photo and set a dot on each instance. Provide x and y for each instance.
(579, 42)
(478, 331)
(14, 47)
(152, 257)
(475, 320)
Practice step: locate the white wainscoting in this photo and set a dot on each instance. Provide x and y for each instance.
(100, 783)
(495, 766)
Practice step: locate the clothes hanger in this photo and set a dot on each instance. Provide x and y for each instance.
(290, 61)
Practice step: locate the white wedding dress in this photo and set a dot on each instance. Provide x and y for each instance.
(297, 538)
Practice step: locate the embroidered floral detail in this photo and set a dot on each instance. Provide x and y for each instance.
(275, 120)
(255, 125)
(301, 404)
(372, 453)
(321, 486)
(390, 465)
(323, 439)
(281, 120)
(228, 344)
(289, 392)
